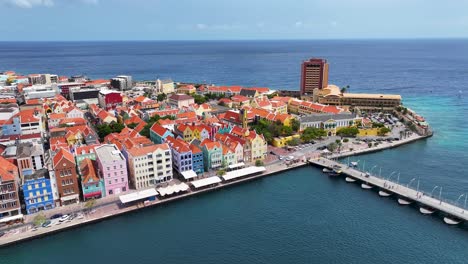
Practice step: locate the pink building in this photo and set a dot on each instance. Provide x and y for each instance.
(112, 167)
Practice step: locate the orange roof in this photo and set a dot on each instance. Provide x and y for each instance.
(194, 149)
(133, 119)
(143, 151)
(27, 116)
(210, 144)
(165, 122)
(187, 115)
(103, 114)
(57, 116)
(6, 176)
(140, 99)
(87, 171)
(259, 89)
(8, 167)
(137, 142)
(75, 120)
(7, 100)
(284, 99)
(158, 129)
(86, 149)
(178, 144)
(63, 154)
(239, 98)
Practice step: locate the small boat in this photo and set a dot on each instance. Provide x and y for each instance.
(426, 211)
(366, 186)
(384, 194)
(451, 221)
(354, 164)
(349, 179)
(325, 170)
(403, 201)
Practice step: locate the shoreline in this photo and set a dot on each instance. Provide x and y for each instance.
(272, 170)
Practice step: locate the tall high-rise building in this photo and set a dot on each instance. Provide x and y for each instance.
(314, 75)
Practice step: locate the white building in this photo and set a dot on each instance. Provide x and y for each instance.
(149, 165)
(328, 122)
(181, 100)
(75, 113)
(40, 91)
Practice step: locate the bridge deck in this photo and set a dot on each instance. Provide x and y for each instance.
(392, 187)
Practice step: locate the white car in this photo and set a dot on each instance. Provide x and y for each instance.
(64, 218)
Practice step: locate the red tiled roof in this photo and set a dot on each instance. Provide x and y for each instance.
(63, 154)
(210, 144)
(178, 144)
(87, 171)
(158, 129)
(180, 97)
(142, 151)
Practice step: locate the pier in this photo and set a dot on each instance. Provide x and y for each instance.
(406, 195)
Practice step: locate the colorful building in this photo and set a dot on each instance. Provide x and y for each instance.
(158, 134)
(280, 142)
(66, 177)
(9, 188)
(91, 184)
(37, 190)
(181, 155)
(149, 165)
(212, 154)
(112, 168)
(197, 159)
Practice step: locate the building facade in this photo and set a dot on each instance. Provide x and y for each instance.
(149, 165)
(37, 190)
(112, 168)
(314, 75)
(66, 177)
(91, 184)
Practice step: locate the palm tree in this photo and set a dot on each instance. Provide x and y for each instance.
(344, 89)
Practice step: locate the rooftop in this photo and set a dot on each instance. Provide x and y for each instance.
(109, 153)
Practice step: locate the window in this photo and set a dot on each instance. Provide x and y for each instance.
(29, 187)
(43, 184)
(123, 179)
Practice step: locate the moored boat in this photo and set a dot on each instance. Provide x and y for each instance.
(426, 211)
(404, 201)
(349, 179)
(366, 186)
(384, 193)
(451, 221)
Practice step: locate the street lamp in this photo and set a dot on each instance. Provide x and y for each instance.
(409, 184)
(389, 177)
(433, 189)
(370, 172)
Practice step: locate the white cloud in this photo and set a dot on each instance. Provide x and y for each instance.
(40, 3)
(298, 24)
(201, 26)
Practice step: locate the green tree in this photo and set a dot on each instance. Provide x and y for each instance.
(199, 99)
(39, 220)
(311, 133)
(345, 140)
(259, 163)
(132, 125)
(369, 144)
(90, 204)
(221, 172)
(103, 130)
(347, 131)
(161, 97)
(344, 89)
(293, 142)
(332, 146)
(295, 125)
(383, 131)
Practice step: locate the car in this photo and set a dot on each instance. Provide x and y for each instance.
(55, 216)
(2, 234)
(80, 216)
(280, 157)
(64, 218)
(47, 223)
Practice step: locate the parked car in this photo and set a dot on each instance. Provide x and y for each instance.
(64, 218)
(55, 216)
(47, 223)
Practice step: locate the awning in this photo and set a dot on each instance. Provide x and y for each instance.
(189, 174)
(69, 198)
(131, 197)
(11, 218)
(176, 188)
(242, 172)
(238, 165)
(205, 182)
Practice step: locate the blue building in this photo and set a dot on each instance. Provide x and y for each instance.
(197, 159)
(13, 127)
(37, 192)
(158, 134)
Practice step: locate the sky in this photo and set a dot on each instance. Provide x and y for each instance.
(70, 20)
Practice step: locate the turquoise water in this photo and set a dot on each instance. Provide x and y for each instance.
(299, 216)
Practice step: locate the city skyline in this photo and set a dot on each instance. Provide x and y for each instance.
(30, 20)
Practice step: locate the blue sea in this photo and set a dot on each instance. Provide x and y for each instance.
(299, 216)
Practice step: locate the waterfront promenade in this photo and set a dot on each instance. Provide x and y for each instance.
(109, 207)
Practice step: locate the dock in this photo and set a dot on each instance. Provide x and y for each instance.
(406, 195)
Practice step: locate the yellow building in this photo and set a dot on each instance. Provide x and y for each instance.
(331, 95)
(280, 142)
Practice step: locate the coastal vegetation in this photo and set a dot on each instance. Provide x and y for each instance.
(311, 133)
(347, 132)
(106, 129)
(146, 129)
